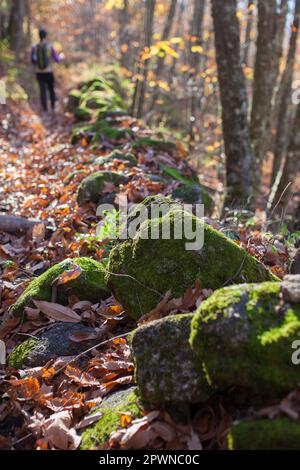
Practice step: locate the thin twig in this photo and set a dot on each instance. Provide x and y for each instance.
(90, 349)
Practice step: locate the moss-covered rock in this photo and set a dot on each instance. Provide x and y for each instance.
(166, 367)
(128, 158)
(142, 270)
(125, 401)
(244, 334)
(92, 188)
(82, 113)
(73, 100)
(49, 344)
(189, 190)
(89, 285)
(265, 434)
(98, 131)
(158, 145)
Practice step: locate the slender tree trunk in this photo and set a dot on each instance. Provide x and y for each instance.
(123, 34)
(249, 28)
(284, 97)
(290, 166)
(234, 103)
(15, 26)
(197, 36)
(269, 50)
(149, 19)
(161, 60)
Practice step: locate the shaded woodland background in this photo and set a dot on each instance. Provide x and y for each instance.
(165, 51)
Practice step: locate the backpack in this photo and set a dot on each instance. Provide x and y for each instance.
(42, 56)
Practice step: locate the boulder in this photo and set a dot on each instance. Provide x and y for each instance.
(92, 188)
(127, 158)
(73, 100)
(244, 335)
(265, 434)
(49, 344)
(167, 369)
(89, 285)
(142, 270)
(82, 113)
(124, 401)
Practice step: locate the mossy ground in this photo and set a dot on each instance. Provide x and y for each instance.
(244, 335)
(97, 435)
(265, 434)
(88, 286)
(141, 271)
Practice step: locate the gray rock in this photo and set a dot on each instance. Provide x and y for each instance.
(290, 288)
(50, 344)
(166, 366)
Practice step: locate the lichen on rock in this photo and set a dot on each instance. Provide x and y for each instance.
(166, 367)
(244, 334)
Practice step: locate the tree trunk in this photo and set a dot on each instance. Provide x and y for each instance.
(249, 28)
(234, 103)
(161, 60)
(197, 36)
(290, 167)
(15, 26)
(284, 97)
(269, 50)
(142, 85)
(123, 34)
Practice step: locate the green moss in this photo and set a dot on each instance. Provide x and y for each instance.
(176, 175)
(97, 435)
(159, 145)
(265, 434)
(18, 355)
(73, 100)
(88, 286)
(243, 336)
(91, 188)
(83, 114)
(142, 270)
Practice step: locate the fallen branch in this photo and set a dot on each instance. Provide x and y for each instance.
(14, 225)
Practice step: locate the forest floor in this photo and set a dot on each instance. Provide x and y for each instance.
(36, 163)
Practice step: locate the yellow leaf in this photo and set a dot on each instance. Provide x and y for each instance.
(198, 49)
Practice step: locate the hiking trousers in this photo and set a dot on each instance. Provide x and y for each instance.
(46, 83)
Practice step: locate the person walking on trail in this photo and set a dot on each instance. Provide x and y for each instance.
(42, 57)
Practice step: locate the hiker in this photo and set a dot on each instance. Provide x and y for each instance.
(42, 57)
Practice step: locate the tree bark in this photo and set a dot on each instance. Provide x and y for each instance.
(290, 167)
(14, 225)
(234, 103)
(249, 28)
(269, 50)
(161, 60)
(284, 97)
(149, 20)
(123, 33)
(15, 25)
(196, 32)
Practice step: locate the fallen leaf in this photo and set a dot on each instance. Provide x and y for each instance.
(57, 311)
